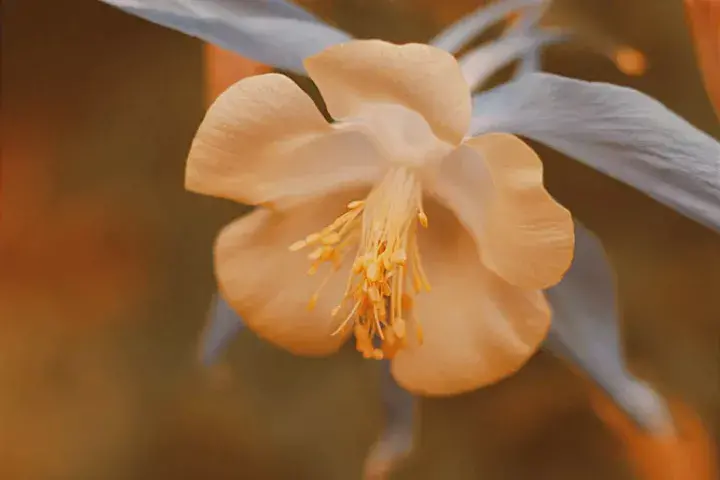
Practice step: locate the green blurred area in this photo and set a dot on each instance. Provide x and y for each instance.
(105, 274)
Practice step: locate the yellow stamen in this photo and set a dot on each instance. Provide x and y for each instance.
(299, 245)
(398, 328)
(384, 228)
(420, 280)
(331, 238)
(423, 219)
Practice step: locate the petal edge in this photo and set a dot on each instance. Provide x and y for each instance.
(422, 78)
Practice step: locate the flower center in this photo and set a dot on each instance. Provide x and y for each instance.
(377, 303)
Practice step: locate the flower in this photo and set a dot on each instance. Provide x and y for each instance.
(618, 131)
(394, 198)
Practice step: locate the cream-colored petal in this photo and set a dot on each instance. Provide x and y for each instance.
(477, 328)
(267, 285)
(494, 184)
(264, 140)
(400, 135)
(419, 77)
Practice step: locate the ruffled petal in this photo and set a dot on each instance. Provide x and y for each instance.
(477, 328)
(494, 184)
(618, 131)
(264, 140)
(421, 78)
(266, 283)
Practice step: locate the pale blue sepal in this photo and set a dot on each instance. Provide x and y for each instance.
(273, 32)
(586, 332)
(481, 63)
(615, 130)
(395, 442)
(221, 326)
(532, 60)
(460, 33)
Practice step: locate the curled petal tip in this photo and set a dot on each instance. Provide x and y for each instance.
(611, 129)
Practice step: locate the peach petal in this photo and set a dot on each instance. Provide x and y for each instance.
(264, 140)
(477, 328)
(494, 184)
(267, 285)
(421, 78)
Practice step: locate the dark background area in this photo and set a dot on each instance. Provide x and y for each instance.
(105, 273)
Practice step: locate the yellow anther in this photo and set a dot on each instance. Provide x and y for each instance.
(299, 245)
(374, 294)
(360, 331)
(358, 265)
(398, 257)
(316, 254)
(423, 219)
(384, 228)
(391, 346)
(373, 272)
(367, 261)
(386, 261)
(331, 238)
(362, 340)
(312, 238)
(329, 253)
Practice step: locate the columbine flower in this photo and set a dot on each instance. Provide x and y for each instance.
(394, 199)
(618, 131)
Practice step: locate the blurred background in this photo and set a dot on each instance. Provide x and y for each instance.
(105, 271)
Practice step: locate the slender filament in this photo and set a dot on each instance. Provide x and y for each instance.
(378, 300)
